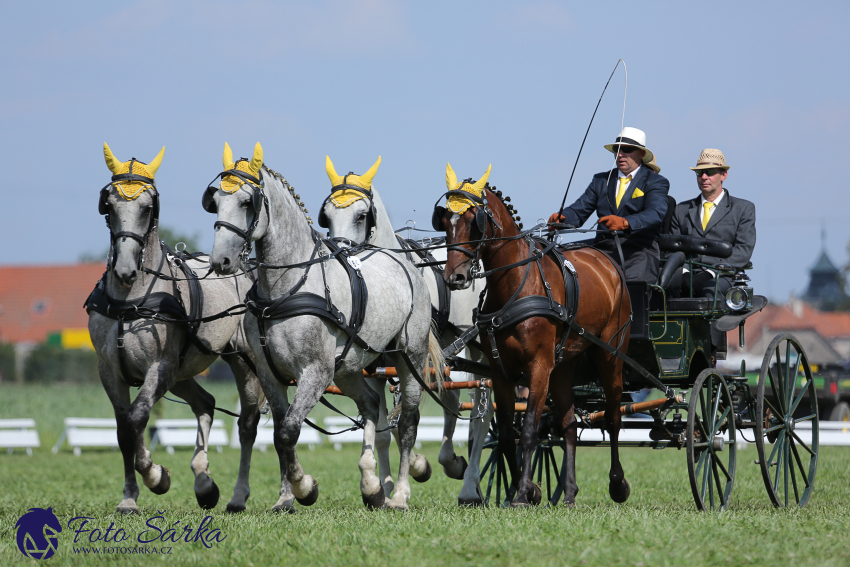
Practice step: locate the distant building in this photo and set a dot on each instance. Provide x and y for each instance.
(41, 303)
(826, 285)
(824, 336)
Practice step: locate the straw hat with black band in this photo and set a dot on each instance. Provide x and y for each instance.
(711, 158)
(634, 138)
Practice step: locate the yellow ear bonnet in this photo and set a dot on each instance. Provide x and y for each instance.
(344, 197)
(230, 183)
(131, 190)
(458, 203)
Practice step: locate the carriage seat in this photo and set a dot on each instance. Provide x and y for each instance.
(694, 245)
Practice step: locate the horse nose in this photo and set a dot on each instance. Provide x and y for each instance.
(457, 280)
(222, 265)
(125, 278)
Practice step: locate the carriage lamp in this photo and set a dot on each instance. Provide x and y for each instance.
(740, 295)
(738, 298)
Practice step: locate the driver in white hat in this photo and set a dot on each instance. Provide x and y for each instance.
(631, 199)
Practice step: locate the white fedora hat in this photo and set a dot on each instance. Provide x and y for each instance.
(632, 137)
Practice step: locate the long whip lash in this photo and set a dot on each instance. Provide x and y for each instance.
(622, 121)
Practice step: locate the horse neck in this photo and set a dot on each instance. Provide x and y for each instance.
(152, 260)
(502, 284)
(287, 240)
(383, 235)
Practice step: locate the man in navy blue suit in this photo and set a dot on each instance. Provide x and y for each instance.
(631, 198)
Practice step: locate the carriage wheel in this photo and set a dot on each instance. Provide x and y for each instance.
(711, 441)
(795, 460)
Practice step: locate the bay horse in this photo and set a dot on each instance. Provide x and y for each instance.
(137, 324)
(521, 349)
(312, 324)
(358, 215)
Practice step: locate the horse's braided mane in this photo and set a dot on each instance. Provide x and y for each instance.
(506, 202)
(291, 189)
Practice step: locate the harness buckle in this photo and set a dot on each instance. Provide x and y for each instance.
(120, 341)
(496, 322)
(263, 341)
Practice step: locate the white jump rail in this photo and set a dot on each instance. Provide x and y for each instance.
(430, 429)
(830, 433)
(172, 433)
(265, 434)
(88, 432)
(19, 433)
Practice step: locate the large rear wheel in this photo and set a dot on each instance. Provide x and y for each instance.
(711, 441)
(786, 390)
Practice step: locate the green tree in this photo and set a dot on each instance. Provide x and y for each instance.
(167, 234)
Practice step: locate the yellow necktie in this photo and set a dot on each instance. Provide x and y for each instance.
(624, 184)
(706, 214)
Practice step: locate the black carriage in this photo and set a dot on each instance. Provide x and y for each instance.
(671, 346)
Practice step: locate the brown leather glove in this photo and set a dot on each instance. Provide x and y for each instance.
(556, 217)
(613, 222)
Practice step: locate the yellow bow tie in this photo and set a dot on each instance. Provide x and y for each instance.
(706, 214)
(624, 184)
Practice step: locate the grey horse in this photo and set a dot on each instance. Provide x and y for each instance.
(346, 214)
(135, 348)
(256, 205)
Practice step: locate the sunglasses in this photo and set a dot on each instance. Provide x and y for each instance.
(625, 149)
(710, 172)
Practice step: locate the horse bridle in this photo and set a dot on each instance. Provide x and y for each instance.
(103, 208)
(483, 218)
(258, 200)
(370, 215)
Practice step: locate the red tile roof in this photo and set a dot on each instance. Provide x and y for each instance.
(38, 300)
(775, 318)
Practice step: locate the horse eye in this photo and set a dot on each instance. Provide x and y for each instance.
(243, 204)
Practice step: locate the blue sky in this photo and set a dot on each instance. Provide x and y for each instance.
(473, 83)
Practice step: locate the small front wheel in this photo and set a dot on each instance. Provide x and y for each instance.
(711, 444)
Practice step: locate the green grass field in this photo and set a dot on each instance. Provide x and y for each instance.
(657, 526)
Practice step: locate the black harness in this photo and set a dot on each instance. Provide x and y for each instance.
(294, 303)
(517, 309)
(158, 305)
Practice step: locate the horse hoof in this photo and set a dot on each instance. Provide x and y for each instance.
(470, 502)
(619, 491)
(375, 501)
(209, 500)
(128, 510)
(311, 498)
(535, 495)
(426, 476)
(235, 508)
(284, 508)
(459, 476)
(164, 482)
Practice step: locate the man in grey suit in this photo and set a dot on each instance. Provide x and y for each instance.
(717, 215)
(631, 199)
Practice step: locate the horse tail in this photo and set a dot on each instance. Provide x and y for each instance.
(435, 358)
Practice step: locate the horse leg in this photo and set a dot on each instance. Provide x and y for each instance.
(470, 493)
(276, 394)
(250, 396)
(527, 491)
(312, 382)
(119, 394)
(383, 436)
(355, 387)
(418, 466)
(453, 465)
(611, 370)
(504, 394)
(203, 406)
(561, 388)
(155, 477)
